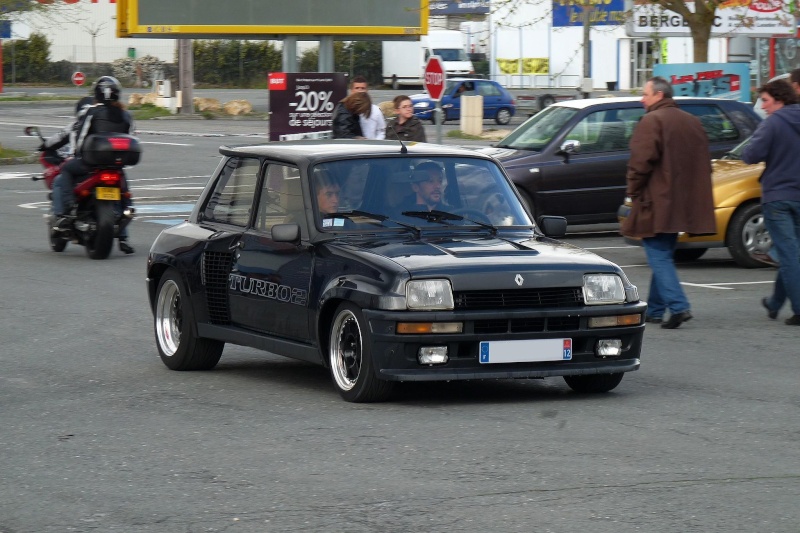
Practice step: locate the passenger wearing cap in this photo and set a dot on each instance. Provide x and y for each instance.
(427, 182)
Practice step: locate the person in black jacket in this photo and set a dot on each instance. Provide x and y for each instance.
(346, 116)
(108, 115)
(406, 126)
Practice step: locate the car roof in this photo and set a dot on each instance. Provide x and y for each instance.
(591, 102)
(310, 151)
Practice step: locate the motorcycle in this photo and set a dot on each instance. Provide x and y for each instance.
(100, 213)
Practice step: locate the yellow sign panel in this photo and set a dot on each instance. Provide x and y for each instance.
(271, 18)
(530, 65)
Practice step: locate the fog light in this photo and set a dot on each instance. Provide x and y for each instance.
(432, 355)
(609, 348)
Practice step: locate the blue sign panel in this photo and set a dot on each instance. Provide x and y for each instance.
(458, 7)
(603, 13)
(716, 80)
(5, 29)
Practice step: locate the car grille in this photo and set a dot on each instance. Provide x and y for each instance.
(526, 325)
(519, 299)
(215, 269)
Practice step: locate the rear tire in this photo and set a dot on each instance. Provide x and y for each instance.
(596, 383)
(350, 358)
(99, 245)
(178, 344)
(747, 233)
(503, 116)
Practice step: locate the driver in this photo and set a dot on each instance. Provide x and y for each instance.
(328, 192)
(427, 182)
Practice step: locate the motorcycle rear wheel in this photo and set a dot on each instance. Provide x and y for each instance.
(98, 246)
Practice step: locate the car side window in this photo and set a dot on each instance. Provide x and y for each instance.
(716, 123)
(281, 199)
(232, 199)
(608, 130)
(487, 89)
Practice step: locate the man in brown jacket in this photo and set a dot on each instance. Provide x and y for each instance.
(669, 181)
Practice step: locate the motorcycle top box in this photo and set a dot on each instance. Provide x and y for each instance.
(111, 149)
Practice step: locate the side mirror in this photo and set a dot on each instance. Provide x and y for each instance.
(32, 131)
(551, 226)
(286, 233)
(569, 147)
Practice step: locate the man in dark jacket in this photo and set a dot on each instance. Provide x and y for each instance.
(669, 181)
(775, 142)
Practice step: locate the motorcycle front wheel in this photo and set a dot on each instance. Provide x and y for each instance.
(99, 244)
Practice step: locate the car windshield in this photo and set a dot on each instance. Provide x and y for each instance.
(537, 132)
(391, 193)
(736, 153)
(451, 54)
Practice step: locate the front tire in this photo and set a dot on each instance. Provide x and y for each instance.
(178, 344)
(99, 245)
(503, 116)
(350, 358)
(687, 255)
(596, 383)
(747, 233)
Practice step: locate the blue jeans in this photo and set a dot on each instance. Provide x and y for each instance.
(666, 292)
(58, 196)
(782, 219)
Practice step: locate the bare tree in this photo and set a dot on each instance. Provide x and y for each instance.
(94, 29)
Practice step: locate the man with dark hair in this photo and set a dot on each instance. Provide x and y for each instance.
(794, 79)
(427, 182)
(669, 182)
(775, 142)
(358, 84)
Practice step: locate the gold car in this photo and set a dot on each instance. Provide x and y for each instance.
(737, 207)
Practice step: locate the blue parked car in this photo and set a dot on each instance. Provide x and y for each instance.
(498, 104)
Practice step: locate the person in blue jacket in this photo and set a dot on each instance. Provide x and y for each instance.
(775, 142)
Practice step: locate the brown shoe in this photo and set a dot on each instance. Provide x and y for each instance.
(764, 258)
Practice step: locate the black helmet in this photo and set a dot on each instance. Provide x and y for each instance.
(107, 89)
(83, 103)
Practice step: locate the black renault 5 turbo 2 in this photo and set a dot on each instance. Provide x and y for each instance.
(386, 263)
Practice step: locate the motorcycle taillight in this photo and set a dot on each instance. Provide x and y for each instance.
(109, 178)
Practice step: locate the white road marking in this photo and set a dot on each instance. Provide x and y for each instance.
(166, 144)
(15, 175)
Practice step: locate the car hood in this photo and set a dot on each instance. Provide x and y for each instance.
(504, 154)
(467, 261)
(735, 181)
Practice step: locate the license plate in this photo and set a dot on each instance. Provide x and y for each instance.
(526, 351)
(107, 193)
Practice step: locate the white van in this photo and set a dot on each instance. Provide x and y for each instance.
(404, 61)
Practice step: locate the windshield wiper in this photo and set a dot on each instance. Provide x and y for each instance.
(441, 217)
(357, 213)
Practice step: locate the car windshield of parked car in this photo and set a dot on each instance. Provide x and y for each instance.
(736, 153)
(388, 193)
(537, 132)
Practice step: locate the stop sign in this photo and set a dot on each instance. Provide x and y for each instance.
(434, 78)
(78, 78)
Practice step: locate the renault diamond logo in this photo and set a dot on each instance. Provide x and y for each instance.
(519, 279)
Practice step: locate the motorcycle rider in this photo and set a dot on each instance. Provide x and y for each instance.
(108, 115)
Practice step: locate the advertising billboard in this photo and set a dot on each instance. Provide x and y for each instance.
(301, 104)
(604, 13)
(715, 80)
(272, 19)
(732, 17)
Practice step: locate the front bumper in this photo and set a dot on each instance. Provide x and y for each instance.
(395, 355)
